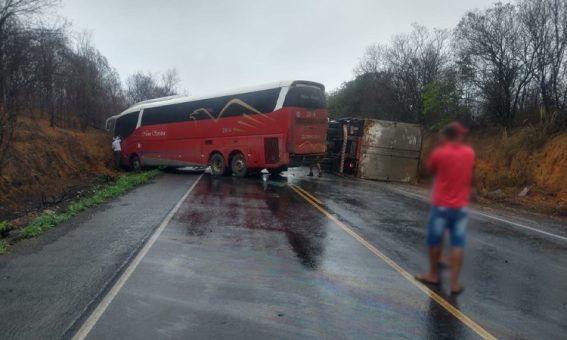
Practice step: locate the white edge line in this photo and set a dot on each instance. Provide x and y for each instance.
(103, 305)
(521, 225)
(490, 216)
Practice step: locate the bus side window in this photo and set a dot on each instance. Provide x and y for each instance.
(234, 105)
(175, 113)
(263, 101)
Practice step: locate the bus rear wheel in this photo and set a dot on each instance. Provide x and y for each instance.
(216, 162)
(238, 165)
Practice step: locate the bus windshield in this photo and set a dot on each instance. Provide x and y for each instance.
(310, 97)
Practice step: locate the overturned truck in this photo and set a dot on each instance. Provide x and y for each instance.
(374, 149)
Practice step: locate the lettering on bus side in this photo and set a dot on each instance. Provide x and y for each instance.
(230, 130)
(154, 133)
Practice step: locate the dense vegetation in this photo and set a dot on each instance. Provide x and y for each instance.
(505, 66)
(47, 69)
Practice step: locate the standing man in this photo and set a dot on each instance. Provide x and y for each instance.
(452, 164)
(117, 150)
(315, 163)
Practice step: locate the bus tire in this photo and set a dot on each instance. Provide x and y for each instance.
(238, 165)
(135, 163)
(217, 164)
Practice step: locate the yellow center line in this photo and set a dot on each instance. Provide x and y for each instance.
(478, 329)
(313, 198)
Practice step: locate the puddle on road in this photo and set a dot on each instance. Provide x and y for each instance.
(226, 204)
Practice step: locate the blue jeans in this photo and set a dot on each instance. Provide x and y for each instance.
(453, 219)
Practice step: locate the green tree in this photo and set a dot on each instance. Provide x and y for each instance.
(440, 103)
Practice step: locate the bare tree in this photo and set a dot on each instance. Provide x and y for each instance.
(495, 46)
(170, 82)
(507, 63)
(545, 22)
(6, 130)
(142, 86)
(374, 60)
(92, 85)
(11, 69)
(13, 11)
(405, 66)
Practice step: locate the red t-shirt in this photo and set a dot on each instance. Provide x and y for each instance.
(452, 164)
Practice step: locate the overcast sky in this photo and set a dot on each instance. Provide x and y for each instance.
(219, 45)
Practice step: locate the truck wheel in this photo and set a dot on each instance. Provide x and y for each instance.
(216, 162)
(238, 165)
(135, 163)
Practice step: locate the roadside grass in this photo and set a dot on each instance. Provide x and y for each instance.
(50, 220)
(3, 246)
(4, 231)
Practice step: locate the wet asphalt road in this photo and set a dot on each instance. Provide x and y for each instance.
(48, 283)
(250, 258)
(516, 279)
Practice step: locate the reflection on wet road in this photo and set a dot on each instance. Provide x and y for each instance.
(515, 279)
(251, 258)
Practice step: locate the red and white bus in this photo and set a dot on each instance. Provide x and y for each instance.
(267, 127)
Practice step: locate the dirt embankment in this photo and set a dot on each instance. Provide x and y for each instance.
(508, 162)
(45, 165)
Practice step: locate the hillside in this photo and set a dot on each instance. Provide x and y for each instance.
(46, 165)
(507, 162)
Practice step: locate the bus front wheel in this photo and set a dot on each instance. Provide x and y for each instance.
(216, 162)
(238, 165)
(135, 163)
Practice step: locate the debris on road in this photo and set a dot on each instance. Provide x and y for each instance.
(525, 191)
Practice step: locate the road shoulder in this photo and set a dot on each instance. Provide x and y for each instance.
(48, 283)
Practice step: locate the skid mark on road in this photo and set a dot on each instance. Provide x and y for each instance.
(405, 274)
(103, 305)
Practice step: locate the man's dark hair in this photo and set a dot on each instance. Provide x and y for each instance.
(450, 132)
